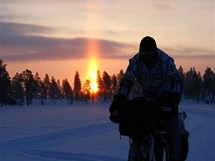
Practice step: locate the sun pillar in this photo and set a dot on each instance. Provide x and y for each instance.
(93, 25)
(92, 65)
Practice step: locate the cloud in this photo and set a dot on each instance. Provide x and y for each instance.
(163, 7)
(9, 28)
(23, 42)
(190, 53)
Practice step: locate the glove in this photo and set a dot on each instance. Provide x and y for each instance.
(175, 97)
(171, 97)
(169, 105)
(114, 117)
(114, 107)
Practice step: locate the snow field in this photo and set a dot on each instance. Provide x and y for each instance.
(83, 132)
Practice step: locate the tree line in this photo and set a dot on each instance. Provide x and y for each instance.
(24, 87)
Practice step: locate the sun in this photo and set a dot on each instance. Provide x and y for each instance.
(92, 76)
(92, 54)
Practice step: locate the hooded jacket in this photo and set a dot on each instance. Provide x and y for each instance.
(160, 78)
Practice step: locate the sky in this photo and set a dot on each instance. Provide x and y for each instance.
(61, 37)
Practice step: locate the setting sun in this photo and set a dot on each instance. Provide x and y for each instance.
(92, 53)
(92, 76)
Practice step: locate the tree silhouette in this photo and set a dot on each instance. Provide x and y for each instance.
(54, 89)
(26, 86)
(120, 75)
(107, 86)
(114, 84)
(38, 84)
(5, 85)
(18, 89)
(67, 91)
(46, 87)
(209, 85)
(77, 87)
(29, 85)
(86, 90)
(182, 75)
(101, 86)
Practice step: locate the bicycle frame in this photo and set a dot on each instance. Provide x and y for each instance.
(144, 150)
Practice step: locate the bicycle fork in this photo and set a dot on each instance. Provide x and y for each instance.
(142, 150)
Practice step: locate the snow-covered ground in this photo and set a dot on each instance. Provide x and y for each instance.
(81, 132)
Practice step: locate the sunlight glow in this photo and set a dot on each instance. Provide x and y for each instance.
(92, 76)
(92, 67)
(93, 46)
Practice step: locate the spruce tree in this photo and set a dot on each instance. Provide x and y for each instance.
(5, 86)
(77, 87)
(86, 90)
(54, 89)
(18, 89)
(101, 87)
(46, 87)
(107, 86)
(209, 85)
(114, 85)
(67, 91)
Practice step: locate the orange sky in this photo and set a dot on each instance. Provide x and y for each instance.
(62, 37)
(67, 68)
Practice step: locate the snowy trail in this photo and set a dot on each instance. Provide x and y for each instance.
(84, 133)
(201, 124)
(58, 155)
(14, 146)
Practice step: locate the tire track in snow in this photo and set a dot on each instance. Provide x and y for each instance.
(202, 143)
(47, 155)
(25, 144)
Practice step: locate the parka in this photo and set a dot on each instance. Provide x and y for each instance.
(162, 77)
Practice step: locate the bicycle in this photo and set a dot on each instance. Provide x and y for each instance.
(145, 150)
(142, 125)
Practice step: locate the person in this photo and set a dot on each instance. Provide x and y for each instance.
(160, 81)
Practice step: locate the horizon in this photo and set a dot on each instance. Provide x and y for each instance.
(90, 74)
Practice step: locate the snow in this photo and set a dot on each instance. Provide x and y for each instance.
(81, 132)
